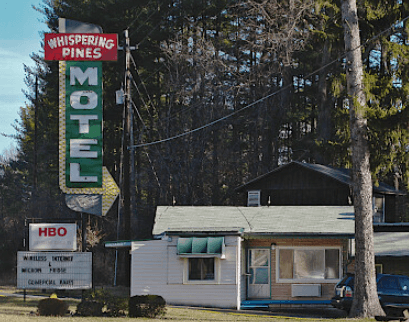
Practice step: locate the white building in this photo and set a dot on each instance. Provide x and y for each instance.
(237, 257)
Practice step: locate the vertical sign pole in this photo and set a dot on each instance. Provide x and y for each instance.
(84, 232)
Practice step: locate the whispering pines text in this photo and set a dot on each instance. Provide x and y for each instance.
(80, 46)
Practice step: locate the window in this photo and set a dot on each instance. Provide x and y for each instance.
(202, 257)
(258, 273)
(309, 264)
(378, 209)
(201, 269)
(259, 266)
(253, 198)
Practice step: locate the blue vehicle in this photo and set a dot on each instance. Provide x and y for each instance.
(393, 292)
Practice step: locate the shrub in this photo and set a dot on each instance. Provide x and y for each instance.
(91, 304)
(88, 307)
(101, 302)
(149, 306)
(116, 306)
(52, 307)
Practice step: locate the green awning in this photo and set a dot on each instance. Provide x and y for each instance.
(200, 245)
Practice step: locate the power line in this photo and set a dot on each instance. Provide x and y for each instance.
(140, 12)
(147, 19)
(211, 123)
(144, 87)
(340, 57)
(160, 120)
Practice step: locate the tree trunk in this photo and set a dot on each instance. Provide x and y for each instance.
(366, 302)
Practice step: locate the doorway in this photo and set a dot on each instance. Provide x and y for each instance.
(258, 268)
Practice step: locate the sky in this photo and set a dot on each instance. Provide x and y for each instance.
(20, 36)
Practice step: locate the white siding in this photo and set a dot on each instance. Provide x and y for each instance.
(243, 271)
(175, 265)
(157, 269)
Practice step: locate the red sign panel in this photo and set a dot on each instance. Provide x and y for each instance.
(82, 47)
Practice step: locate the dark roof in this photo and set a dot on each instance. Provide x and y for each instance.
(342, 175)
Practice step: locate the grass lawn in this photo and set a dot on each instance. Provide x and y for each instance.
(15, 309)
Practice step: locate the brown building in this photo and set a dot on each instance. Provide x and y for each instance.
(305, 184)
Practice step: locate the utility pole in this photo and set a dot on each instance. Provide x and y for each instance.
(131, 148)
(129, 155)
(126, 215)
(35, 134)
(126, 164)
(35, 162)
(366, 302)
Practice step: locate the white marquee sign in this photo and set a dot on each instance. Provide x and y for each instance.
(54, 270)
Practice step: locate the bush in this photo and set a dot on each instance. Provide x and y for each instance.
(149, 306)
(88, 307)
(92, 303)
(116, 306)
(101, 302)
(52, 307)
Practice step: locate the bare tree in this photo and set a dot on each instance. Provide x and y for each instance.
(366, 302)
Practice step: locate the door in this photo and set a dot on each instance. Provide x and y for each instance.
(258, 269)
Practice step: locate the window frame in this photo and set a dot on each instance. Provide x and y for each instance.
(268, 266)
(217, 265)
(254, 198)
(308, 280)
(376, 212)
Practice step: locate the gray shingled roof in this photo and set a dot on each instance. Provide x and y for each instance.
(391, 243)
(274, 220)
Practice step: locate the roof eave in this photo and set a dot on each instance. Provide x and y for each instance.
(242, 187)
(232, 232)
(345, 181)
(250, 235)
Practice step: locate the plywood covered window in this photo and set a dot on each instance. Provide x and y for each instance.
(304, 264)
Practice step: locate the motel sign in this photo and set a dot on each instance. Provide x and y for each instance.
(87, 184)
(83, 115)
(84, 47)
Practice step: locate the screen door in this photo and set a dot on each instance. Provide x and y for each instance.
(258, 283)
